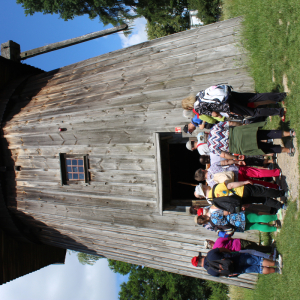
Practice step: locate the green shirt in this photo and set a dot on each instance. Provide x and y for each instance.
(243, 139)
(210, 120)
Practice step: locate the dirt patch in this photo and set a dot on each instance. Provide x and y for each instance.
(289, 170)
(285, 83)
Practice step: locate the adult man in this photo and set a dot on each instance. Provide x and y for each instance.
(221, 261)
(241, 173)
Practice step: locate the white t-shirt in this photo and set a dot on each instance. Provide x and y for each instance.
(214, 158)
(203, 149)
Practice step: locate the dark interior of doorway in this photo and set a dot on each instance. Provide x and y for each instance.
(183, 164)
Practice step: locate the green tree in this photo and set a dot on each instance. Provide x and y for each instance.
(149, 284)
(109, 11)
(87, 259)
(208, 10)
(164, 17)
(171, 15)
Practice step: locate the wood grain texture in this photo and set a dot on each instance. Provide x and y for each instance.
(112, 108)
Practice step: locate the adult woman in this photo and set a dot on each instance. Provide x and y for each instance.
(248, 193)
(247, 140)
(236, 245)
(220, 220)
(238, 103)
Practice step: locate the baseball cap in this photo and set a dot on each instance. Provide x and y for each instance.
(189, 145)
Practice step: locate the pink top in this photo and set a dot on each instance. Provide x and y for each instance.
(228, 243)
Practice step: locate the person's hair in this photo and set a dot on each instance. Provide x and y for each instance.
(193, 210)
(188, 102)
(203, 159)
(199, 175)
(202, 220)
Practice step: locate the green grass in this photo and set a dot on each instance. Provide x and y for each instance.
(271, 36)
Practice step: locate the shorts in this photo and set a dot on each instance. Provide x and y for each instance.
(249, 263)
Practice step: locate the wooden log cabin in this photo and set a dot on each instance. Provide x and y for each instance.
(91, 154)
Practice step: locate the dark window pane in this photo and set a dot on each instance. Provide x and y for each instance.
(80, 169)
(80, 162)
(74, 162)
(75, 169)
(75, 176)
(69, 176)
(69, 169)
(68, 162)
(81, 176)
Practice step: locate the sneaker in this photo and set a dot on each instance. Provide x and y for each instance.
(279, 261)
(278, 271)
(284, 207)
(287, 194)
(274, 254)
(277, 224)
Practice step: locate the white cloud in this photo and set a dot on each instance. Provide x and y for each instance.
(139, 34)
(71, 281)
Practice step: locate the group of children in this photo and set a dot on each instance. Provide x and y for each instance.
(236, 146)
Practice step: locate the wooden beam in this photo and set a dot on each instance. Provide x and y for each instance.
(71, 42)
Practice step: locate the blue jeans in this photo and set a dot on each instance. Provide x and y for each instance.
(247, 263)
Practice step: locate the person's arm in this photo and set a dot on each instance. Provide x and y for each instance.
(227, 155)
(202, 125)
(234, 185)
(227, 162)
(235, 124)
(216, 114)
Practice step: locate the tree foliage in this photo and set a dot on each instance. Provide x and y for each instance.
(149, 284)
(165, 17)
(109, 11)
(208, 10)
(87, 259)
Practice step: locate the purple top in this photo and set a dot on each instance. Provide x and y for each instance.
(231, 244)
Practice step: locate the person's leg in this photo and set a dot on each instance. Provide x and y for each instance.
(260, 191)
(255, 112)
(267, 265)
(258, 173)
(266, 184)
(242, 177)
(270, 148)
(254, 218)
(256, 161)
(257, 97)
(260, 227)
(251, 245)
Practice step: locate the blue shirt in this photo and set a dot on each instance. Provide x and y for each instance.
(196, 121)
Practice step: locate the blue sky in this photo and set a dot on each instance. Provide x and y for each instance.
(70, 281)
(40, 30)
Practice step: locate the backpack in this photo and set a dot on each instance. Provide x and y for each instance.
(224, 176)
(223, 266)
(230, 203)
(215, 94)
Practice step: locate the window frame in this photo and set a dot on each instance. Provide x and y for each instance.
(63, 168)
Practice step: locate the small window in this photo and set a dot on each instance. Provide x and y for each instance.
(74, 168)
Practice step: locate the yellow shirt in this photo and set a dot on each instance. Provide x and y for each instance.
(221, 191)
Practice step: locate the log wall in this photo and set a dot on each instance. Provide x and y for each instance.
(111, 107)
